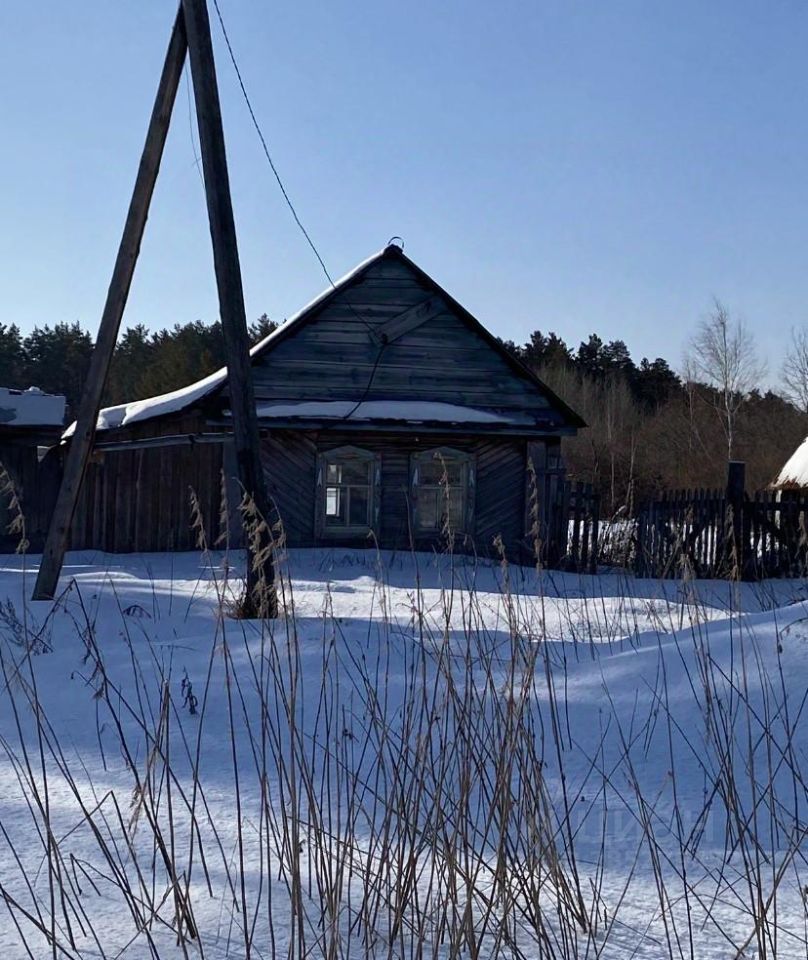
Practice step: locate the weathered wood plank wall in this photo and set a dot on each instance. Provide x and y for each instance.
(290, 466)
(291, 463)
(139, 500)
(36, 485)
(336, 354)
(500, 502)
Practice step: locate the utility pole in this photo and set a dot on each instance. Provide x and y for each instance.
(191, 34)
(81, 443)
(260, 571)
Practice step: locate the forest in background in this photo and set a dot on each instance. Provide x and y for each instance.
(56, 359)
(650, 428)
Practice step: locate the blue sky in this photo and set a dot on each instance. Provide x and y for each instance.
(569, 166)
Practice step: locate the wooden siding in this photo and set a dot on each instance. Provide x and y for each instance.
(500, 503)
(139, 499)
(36, 485)
(337, 354)
(290, 461)
(290, 467)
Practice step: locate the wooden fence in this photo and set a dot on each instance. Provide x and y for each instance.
(722, 533)
(138, 500)
(568, 531)
(581, 507)
(35, 484)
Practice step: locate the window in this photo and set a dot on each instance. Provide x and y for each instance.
(348, 481)
(442, 482)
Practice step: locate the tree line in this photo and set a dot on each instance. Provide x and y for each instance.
(650, 428)
(56, 359)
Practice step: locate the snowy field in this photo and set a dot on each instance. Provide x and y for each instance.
(421, 758)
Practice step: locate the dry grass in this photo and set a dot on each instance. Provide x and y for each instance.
(424, 793)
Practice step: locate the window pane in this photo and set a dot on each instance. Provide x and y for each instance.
(348, 489)
(455, 510)
(428, 512)
(355, 471)
(334, 507)
(439, 470)
(358, 510)
(430, 472)
(454, 471)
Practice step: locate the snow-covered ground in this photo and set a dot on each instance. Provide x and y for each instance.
(421, 757)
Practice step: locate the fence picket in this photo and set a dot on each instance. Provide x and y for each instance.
(760, 535)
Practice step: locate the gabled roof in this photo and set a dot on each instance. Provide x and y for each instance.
(794, 474)
(137, 411)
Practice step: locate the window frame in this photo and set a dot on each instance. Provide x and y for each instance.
(343, 455)
(467, 461)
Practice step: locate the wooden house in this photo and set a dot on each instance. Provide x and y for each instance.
(388, 415)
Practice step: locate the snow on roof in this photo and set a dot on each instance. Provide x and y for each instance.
(30, 408)
(795, 472)
(405, 411)
(138, 410)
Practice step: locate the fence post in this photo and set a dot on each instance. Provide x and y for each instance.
(736, 486)
(557, 516)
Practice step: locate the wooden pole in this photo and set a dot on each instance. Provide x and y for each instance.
(81, 444)
(231, 298)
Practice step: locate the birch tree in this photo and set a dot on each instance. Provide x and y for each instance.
(722, 354)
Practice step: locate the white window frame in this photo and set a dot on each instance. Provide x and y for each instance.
(346, 455)
(468, 483)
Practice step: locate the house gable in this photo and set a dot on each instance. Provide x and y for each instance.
(386, 345)
(390, 333)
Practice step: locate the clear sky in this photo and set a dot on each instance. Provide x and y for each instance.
(603, 166)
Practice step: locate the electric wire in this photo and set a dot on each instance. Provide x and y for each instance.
(232, 54)
(262, 138)
(298, 221)
(197, 158)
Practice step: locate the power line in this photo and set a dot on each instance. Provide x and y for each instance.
(197, 158)
(291, 206)
(257, 126)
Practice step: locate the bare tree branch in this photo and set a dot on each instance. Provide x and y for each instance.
(794, 371)
(722, 354)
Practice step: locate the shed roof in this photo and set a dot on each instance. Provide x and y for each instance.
(176, 401)
(30, 408)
